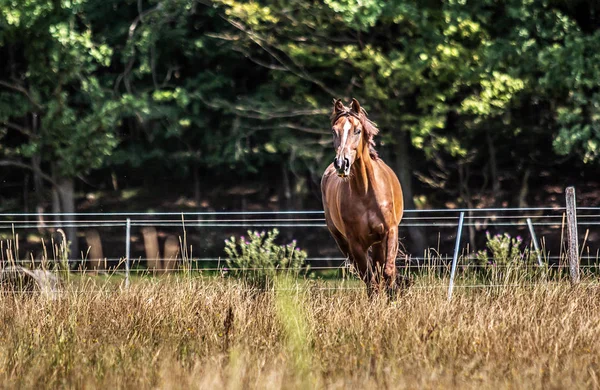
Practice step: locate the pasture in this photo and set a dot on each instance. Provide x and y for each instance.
(176, 210)
(510, 323)
(199, 332)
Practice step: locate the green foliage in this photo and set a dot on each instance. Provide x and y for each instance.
(358, 14)
(505, 259)
(257, 259)
(239, 87)
(62, 60)
(503, 250)
(575, 65)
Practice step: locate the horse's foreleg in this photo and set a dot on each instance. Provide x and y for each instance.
(384, 259)
(389, 270)
(364, 267)
(342, 243)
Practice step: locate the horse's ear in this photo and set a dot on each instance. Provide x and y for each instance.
(355, 105)
(338, 106)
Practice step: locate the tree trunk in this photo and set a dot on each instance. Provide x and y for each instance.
(493, 167)
(522, 201)
(196, 175)
(66, 187)
(286, 188)
(95, 256)
(153, 261)
(26, 196)
(285, 198)
(36, 162)
(465, 194)
(404, 172)
(115, 181)
(171, 254)
(38, 184)
(56, 208)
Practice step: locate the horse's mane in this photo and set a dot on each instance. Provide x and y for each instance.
(369, 127)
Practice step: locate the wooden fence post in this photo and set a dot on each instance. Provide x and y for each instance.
(572, 241)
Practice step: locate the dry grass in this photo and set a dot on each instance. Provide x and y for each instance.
(198, 333)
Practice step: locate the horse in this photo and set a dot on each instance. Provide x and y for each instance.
(362, 199)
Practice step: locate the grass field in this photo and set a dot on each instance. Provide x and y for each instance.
(193, 332)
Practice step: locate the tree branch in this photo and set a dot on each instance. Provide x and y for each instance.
(300, 72)
(18, 164)
(258, 62)
(18, 128)
(153, 66)
(223, 37)
(207, 3)
(168, 76)
(288, 126)
(305, 129)
(19, 88)
(252, 113)
(124, 76)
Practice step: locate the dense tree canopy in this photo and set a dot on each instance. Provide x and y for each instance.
(472, 97)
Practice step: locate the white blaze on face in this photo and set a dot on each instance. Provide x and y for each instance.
(347, 127)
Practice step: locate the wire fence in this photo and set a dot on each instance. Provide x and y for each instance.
(200, 238)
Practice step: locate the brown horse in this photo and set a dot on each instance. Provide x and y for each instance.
(362, 198)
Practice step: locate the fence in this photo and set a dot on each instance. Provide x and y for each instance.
(199, 236)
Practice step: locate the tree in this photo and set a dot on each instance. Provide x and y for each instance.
(57, 115)
(473, 98)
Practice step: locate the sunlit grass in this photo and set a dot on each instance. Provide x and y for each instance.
(199, 332)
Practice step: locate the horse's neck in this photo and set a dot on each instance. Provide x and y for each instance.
(363, 177)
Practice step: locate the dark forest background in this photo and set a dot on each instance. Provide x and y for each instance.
(224, 105)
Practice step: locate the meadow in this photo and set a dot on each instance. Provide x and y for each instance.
(197, 332)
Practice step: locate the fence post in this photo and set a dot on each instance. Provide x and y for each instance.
(573, 245)
(455, 258)
(127, 251)
(535, 242)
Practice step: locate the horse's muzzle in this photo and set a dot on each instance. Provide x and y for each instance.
(342, 166)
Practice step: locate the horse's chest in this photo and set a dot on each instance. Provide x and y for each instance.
(362, 221)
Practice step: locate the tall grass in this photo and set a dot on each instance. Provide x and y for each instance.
(193, 332)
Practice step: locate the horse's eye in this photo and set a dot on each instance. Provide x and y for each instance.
(357, 131)
(333, 131)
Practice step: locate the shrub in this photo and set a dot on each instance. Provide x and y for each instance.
(256, 258)
(503, 250)
(503, 256)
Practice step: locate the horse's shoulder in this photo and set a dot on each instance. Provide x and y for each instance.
(387, 169)
(382, 164)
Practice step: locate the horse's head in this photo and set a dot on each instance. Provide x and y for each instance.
(351, 130)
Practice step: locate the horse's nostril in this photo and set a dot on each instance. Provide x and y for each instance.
(346, 163)
(335, 164)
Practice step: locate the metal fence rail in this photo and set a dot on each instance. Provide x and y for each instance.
(524, 219)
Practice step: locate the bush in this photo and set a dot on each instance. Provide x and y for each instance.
(503, 250)
(504, 256)
(256, 258)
